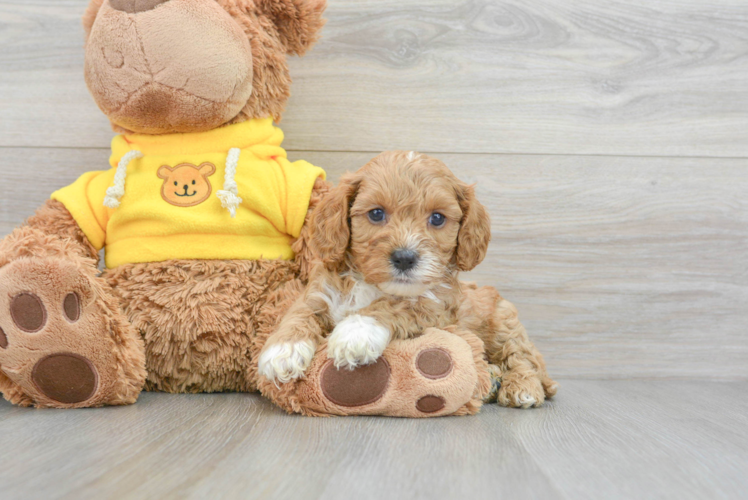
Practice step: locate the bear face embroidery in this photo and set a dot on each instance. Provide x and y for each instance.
(186, 185)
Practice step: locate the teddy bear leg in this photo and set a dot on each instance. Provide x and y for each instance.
(439, 373)
(63, 341)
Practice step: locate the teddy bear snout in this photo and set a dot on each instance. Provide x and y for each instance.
(178, 66)
(135, 6)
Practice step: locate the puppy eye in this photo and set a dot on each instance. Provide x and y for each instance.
(437, 219)
(193, 183)
(176, 183)
(376, 215)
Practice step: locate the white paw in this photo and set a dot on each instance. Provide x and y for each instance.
(357, 340)
(524, 400)
(286, 361)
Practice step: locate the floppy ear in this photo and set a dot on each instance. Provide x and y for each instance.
(206, 169)
(475, 230)
(330, 225)
(298, 21)
(164, 172)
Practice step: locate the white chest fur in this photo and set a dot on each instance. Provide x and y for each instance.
(341, 304)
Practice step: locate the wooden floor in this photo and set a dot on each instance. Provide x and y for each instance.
(598, 440)
(609, 141)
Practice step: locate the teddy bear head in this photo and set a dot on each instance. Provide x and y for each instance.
(165, 66)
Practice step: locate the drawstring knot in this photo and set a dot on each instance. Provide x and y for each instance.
(117, 191)
(229, 195)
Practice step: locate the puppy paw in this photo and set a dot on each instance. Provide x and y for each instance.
(357, 340)
(521, 393)
(286, 361)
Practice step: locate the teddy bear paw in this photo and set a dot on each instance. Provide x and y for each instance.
(54, 339)
(433, 375)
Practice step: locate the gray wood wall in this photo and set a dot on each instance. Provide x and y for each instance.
(609, 140)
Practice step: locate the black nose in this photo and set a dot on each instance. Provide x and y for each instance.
(404, 259)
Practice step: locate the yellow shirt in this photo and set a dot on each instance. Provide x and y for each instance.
(171, 207)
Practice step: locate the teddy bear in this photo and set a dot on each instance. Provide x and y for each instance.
(204, 224)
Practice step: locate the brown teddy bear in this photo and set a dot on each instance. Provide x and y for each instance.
(202, 218)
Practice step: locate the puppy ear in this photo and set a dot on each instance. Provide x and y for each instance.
(475, 230)
(298, 21)
(330, 226)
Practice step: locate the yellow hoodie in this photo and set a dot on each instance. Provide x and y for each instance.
(229, 193)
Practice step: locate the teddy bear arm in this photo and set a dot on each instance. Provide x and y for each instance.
(53, 218)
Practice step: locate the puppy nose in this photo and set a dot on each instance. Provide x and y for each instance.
(404, 259)
(135, 6)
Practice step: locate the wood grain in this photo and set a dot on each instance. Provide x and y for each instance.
(618, 77)
(620, 267)
(623, 439)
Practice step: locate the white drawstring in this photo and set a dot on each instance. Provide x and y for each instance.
(229, 195)
(114, 193)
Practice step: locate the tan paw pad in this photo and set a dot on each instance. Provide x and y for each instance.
(359, 387)
(28, 312)
(72, 307)
(434, 363)
(431, 404)
(67, 378)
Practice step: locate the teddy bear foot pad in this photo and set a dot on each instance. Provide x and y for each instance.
(55, 335)
(368, 384)
(433, 375)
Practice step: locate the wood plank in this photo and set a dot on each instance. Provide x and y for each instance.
(620, 267)
(240, 446)
(622, 439)
(640, 439)
(619, 77)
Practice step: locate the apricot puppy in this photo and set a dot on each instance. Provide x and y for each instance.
(391, 240)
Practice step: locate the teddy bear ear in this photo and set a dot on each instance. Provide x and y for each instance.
(298, 21)
(206, 169)
(164, 172)
(90, 15)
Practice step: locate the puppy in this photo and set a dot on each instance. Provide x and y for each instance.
(391, 240)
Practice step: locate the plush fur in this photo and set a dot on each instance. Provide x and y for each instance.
(359, 300)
